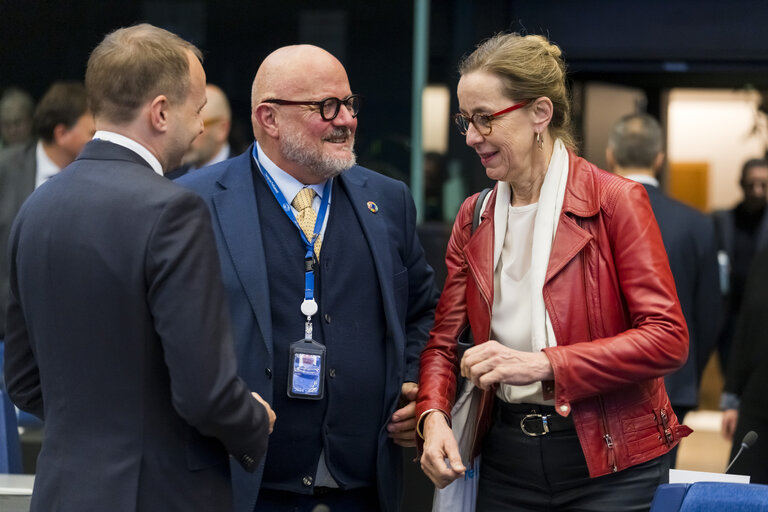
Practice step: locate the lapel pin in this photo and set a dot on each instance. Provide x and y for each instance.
(372, 206)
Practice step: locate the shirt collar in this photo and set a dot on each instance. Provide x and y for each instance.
(122, 140)
(644, 179)
(45, 166)
(287, 184)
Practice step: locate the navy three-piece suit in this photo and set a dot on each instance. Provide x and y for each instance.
(376, 297)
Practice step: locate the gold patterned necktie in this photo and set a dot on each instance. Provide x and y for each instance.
(307, 215)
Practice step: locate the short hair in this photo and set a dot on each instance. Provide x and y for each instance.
(749, 164)
(63, 103)
(636, 140)
(134, 64)
(529, 67)
(21, 99)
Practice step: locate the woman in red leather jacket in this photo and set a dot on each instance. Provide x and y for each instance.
(567, 289)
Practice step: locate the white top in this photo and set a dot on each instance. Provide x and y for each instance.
(122, 140)
(511, 321)
(45, 166)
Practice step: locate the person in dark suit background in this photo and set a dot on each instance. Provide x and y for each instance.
(63, 124)
(635, 151)
(16, 110)
(373, 288)
(118, 334)
(211, 146)
(742, 232)
(745, 401)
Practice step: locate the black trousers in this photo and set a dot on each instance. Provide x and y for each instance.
(324, 500)
(549, 473)
(753, 461)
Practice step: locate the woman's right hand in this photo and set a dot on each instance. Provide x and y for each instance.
(439, 445)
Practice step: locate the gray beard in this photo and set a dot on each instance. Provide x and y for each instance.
(297, 149)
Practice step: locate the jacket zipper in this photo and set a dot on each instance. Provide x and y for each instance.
(606, 434)
(480, 406)
(607, 437)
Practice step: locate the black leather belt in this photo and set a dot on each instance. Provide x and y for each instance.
(532, 419)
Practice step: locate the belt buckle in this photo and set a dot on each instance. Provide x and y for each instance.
(544, 423)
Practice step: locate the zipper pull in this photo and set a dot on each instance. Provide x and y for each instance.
(609, 442)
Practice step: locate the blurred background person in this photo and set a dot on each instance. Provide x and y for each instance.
(16, 108)
(741, 232)
(746, 379)
(211, 146)
(568, 291)
(63, 125)
(635, 151)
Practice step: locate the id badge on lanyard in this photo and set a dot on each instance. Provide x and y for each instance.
(306, 357)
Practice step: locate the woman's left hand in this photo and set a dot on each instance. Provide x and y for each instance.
(491, 363)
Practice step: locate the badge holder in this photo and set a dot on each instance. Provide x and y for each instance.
(307, 369)
(306, 365)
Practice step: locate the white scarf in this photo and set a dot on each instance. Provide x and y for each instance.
(544, 228)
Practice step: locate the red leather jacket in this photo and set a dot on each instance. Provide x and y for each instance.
(613, 305)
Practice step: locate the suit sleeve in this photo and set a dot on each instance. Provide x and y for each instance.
(22, 375)
(422, 294)
(708, 304)
(188, 303)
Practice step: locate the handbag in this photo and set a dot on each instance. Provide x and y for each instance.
(461, 494)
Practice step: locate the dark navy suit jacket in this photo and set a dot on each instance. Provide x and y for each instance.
(407, 292)
(689, 238)
(118, 336)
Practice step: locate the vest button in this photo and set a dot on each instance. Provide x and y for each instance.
(332, 372)
(307, 481)
(327, 318)
(268, 372)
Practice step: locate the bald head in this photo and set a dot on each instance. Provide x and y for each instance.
(217, 122)
(217, 106)
(296, 72)
(308, 144)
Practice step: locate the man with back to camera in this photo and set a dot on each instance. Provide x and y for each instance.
(635, 151)
(315, 247)
(211, 146)
(118, 335)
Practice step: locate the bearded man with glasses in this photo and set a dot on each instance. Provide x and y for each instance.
(330, 294)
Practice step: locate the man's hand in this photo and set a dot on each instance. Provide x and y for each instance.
(439, 445)
(270, 412)
(491, 363)
(402, 426)
(730, 420)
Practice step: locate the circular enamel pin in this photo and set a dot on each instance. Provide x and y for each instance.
(372, 206)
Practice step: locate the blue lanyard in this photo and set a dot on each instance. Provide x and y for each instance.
(309, 276)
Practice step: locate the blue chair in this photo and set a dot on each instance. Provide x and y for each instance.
(710, 497)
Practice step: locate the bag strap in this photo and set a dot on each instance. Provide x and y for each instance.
(479, 208)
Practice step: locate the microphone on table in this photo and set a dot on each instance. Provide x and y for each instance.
(749, 440)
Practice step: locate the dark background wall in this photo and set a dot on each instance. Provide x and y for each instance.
(653, 45)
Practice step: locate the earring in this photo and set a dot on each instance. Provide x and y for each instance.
(540, 141)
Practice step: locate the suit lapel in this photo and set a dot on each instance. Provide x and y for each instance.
(375, 230)
(236, 209)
